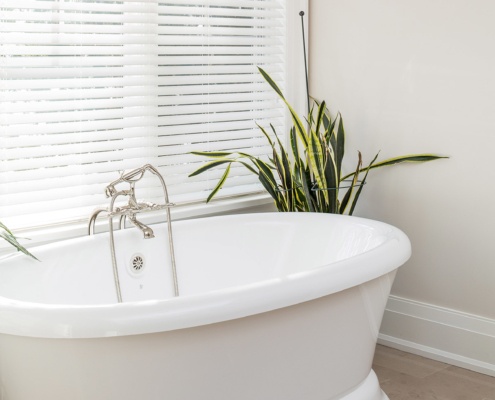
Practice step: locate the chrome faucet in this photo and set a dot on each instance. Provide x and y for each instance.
(129, 211)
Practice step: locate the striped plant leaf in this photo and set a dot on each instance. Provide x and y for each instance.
(212, 154)
(320, 117)
(247, 166)
(10, 238)
(210, 165)
(295, 118)
(282, 166)
(332, 182)
(361, 185)
(269, 182)
(266, 134)
(339, 146)
(310, 194)
(219, 184)
(294, 145)
(328, 125)
(272, 191)
(350, 190)
(266, 171)
(315, 154)
(413, 158)
(285, 161)
(4, 227)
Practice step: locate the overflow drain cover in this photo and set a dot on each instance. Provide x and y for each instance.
(137, 264)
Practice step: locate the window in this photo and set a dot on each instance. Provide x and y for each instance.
(92, 87)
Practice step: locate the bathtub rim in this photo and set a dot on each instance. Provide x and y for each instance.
(42, 320)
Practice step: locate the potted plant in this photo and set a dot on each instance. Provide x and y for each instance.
(310, 178)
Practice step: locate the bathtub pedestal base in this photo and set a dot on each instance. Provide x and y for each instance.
(369, 389)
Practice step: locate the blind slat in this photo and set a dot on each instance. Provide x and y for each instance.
(141, 18)
(127, 81)
(127, 70)
(239, 8)
(56, 39)
(195, 134)
(50, 27)
(127, 91)
(140, 121)
(130, 101)
(193, 111)
(10, 50)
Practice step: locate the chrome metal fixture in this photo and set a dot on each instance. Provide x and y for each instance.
(129, 211)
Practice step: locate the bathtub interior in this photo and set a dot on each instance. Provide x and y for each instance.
(211, 254)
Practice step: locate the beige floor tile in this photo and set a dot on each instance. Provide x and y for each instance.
(460, 384)
(400, 386)
(406, 363)
(471, 376)
(405, 376)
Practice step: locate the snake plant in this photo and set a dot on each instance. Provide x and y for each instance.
(311, 178)
(7, 235)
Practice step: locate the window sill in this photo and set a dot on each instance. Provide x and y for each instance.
(50, 234)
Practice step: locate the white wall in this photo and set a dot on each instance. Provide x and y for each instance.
(419, 76)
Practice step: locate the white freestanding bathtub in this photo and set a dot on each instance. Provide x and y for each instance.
(283, 306)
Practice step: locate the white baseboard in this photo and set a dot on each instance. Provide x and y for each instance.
(450, 336)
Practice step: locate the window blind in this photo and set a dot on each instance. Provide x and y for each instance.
(91, 87)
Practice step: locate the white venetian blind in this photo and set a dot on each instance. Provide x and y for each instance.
(91, 87)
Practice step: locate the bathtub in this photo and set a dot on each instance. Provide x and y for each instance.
(282, 306)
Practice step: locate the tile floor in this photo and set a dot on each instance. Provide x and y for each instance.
(405, 376)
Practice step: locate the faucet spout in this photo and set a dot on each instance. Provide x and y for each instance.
(147, 231)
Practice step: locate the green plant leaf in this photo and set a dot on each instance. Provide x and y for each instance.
(279, 167)
(9, 237)
(316, 162)
(414, 158)
(320, 117)
(210, 165)
(408, 158)
(348, 194)
(328, 125)
(2, 226)
(266, 134)
(282, 167)
(294, 145)
(247, 166)
(213, 164)
(219, 184)
(339, 147)
(295, 118)
(212, 154)
(285, 161)
(306, 184)
(332, 182)
(266, 171)
(269, 182)
(358, 193)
